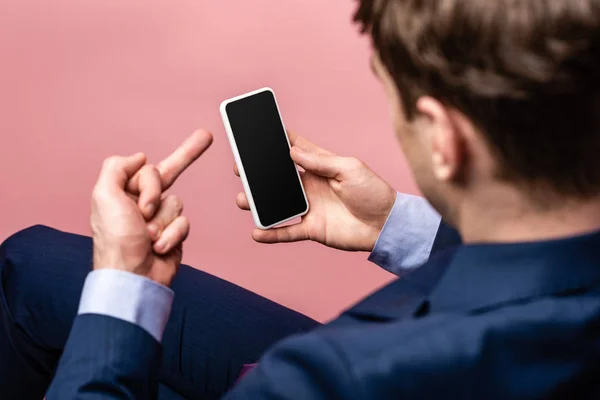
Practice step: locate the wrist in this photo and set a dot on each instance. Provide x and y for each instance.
(371, 239)
(380, 222)
(136, 264)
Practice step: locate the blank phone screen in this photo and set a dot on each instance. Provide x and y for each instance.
(265, 154)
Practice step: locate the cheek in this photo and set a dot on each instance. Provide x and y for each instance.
(400, 127)
(415, 149)
(404, 131)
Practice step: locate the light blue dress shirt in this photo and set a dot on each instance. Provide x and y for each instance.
(404, 243)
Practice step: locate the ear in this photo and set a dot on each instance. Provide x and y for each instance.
(447, 145)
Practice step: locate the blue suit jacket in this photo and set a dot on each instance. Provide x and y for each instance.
(485, 321)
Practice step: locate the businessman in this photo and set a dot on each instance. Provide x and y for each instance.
(215, 327)
(495, 105)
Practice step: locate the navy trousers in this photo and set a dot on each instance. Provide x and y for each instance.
(214, 329)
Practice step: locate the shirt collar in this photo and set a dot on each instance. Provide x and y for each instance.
(487, 275)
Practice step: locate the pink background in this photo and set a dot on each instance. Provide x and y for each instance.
(81, 80)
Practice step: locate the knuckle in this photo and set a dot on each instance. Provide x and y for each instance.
(321, 160)
(185, 223)
(148, 171)
(182, 229)
(175, 203)
(148, 168)
(100, 194)
(355, 163)
(112, 162)
(95, 193)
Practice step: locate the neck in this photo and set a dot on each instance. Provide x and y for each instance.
(505, 215)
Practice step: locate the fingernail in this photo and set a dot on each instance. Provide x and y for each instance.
(160, 245)
(150, 209)
(153, 230)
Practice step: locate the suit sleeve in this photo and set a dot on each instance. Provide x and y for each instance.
(107, 358)
(302, 367)
(113, 350)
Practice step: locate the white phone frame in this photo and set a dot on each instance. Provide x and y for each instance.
(238, 160)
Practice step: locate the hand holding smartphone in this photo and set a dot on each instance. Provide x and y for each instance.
(261, 150)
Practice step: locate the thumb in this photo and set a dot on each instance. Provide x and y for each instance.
(326, 165)
(133, 163)
(118, 170)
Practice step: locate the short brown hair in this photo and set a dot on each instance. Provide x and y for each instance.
(526, 72)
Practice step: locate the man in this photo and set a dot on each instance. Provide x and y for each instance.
(483, 95)
(214, 327)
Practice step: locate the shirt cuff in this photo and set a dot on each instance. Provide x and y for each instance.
(407, 237)
(129, 297)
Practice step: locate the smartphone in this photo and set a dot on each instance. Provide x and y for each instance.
(261, 149)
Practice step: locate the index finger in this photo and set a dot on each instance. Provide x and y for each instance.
(188, 152)
(304, 143)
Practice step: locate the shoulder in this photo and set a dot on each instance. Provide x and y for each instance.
(378, 349)
(484, 354)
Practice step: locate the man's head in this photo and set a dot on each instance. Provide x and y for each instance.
(485, 93)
